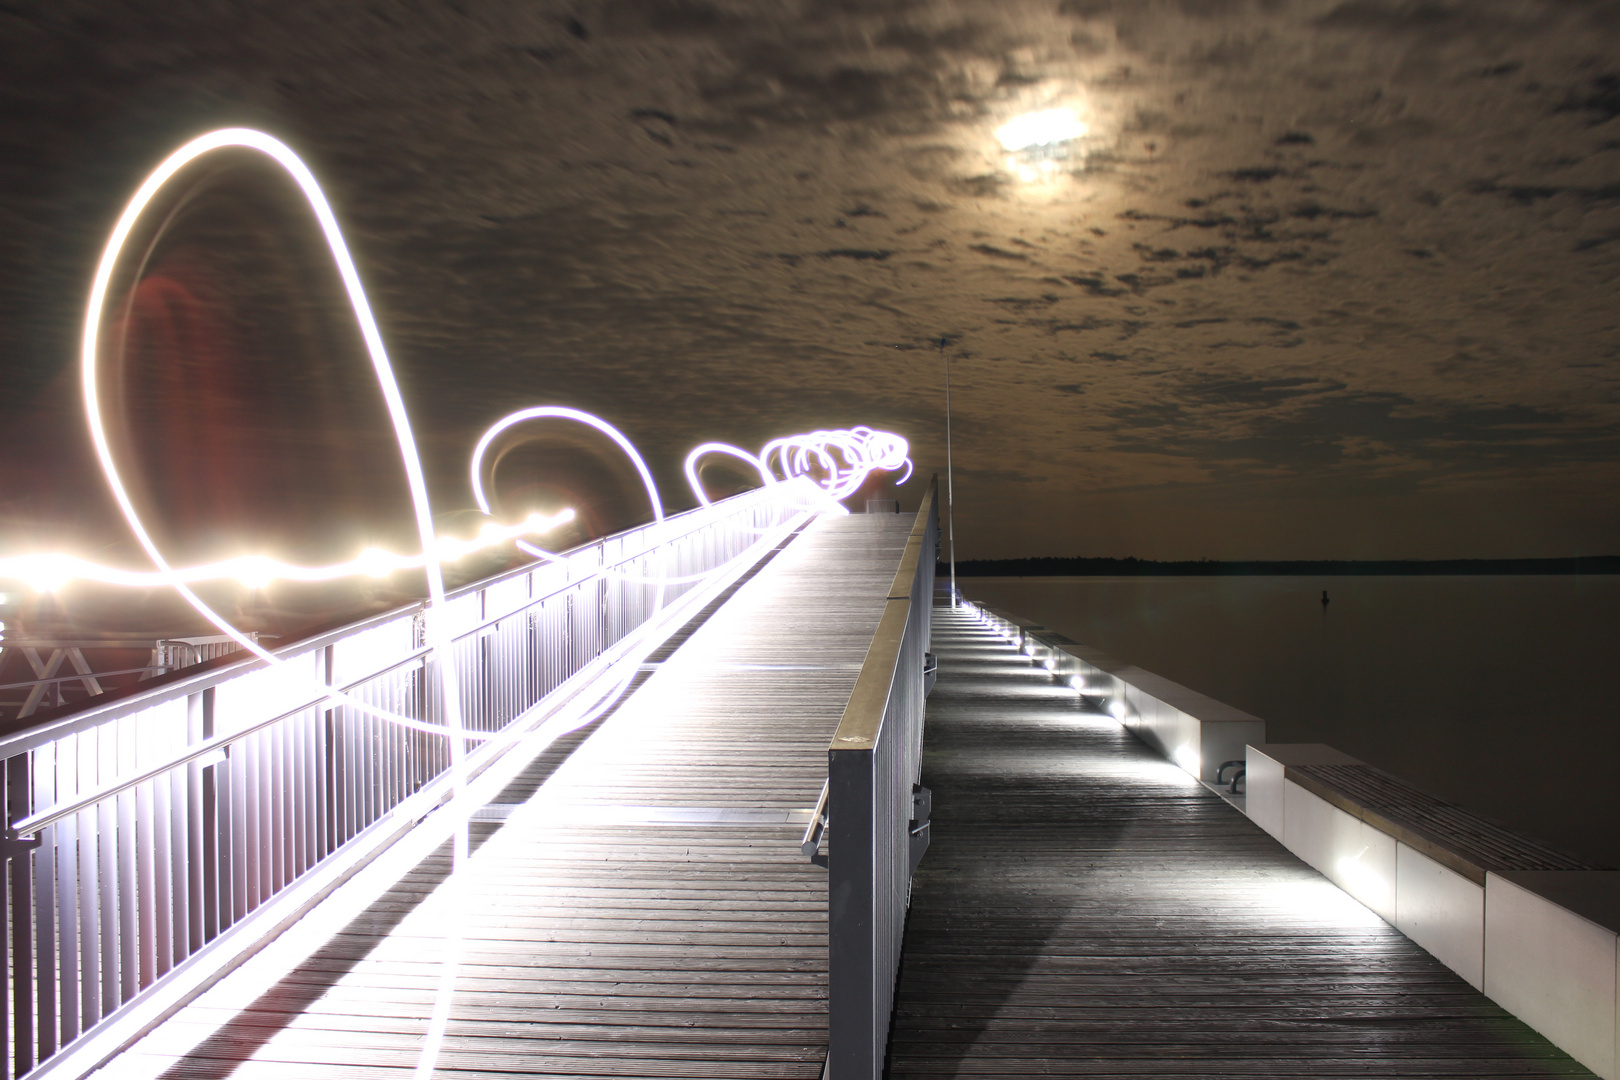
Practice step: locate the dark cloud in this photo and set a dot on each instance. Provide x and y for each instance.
(1599, 99)
(1331, 427)
(1367, 239)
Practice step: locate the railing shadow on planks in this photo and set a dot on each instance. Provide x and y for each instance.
(157, 841)
(875, 813)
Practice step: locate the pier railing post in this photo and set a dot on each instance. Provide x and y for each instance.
(873, 766)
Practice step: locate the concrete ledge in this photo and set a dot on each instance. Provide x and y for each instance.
(1550, 957)
(1350, 853)
(1544, 944)
(1442, 911)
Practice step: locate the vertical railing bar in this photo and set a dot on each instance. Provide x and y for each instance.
(119, 893)
(48, 950)
(238, 771)
(22, 870)
(152, 819)
(178, 822)
(106, 880)
(126, 901)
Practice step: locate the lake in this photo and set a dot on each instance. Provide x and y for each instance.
(1501, 694)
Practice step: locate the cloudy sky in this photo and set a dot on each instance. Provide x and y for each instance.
(1325, 278)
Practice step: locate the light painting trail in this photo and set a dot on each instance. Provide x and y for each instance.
(831, 464)
(50, 572)
(844, 458)
(859, 452)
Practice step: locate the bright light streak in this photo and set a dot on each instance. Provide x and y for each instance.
(699, 452)
(48, 573)
(1040, 129)
(1361, 879)
(560, 412)
(279, 152)
(1188, 758)
(577, 416)
(844, 457)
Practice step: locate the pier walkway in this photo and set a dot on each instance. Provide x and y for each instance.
(636, 904)
(1088, 909)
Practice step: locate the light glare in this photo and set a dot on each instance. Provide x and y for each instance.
(1040, 129)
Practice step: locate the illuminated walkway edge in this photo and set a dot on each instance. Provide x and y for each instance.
(1089, 909)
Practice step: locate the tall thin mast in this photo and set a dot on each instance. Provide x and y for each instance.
(950, 487)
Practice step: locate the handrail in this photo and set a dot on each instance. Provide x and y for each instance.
(25, 828)
(26, 737)
(810, 843)
(874, 764)
(75, 677)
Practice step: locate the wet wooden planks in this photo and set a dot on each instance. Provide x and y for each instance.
(594, 932)
(1087, 909)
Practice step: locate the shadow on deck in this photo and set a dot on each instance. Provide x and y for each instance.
(1088, 909)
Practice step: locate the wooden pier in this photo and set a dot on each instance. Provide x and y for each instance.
(1087, 909)
(637, 904)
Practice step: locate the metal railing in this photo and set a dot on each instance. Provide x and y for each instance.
(49, 690)
(143, 832)
(876, 813)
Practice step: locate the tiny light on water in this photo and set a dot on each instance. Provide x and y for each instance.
(1040, 129)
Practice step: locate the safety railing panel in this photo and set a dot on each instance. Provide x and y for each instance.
(874, 838)
(142, 830)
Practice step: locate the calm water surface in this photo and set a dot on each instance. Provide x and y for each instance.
(1499, 693)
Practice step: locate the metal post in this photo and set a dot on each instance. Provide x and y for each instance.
(950, 487)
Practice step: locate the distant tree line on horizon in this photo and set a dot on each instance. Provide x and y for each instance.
(1054, 566)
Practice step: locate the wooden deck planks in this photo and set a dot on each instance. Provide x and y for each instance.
(1087, 909)
(590, 942)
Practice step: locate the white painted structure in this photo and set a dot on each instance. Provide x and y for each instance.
(1543, 944)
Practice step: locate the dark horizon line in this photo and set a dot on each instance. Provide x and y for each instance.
(1079, 566)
